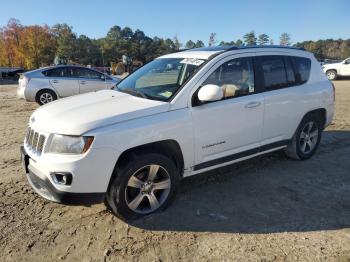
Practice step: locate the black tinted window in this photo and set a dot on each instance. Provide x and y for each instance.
(56, 72)
(274, 72)
(71, 72)
(235, 77)
(302, 66)
(87, 73)
(289, 70)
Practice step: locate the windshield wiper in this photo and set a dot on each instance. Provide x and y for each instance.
(132, 91)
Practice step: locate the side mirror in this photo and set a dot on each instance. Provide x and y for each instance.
(209, 93)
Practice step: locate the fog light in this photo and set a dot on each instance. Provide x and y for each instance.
(62, 178)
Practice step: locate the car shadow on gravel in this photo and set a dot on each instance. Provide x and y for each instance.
(266, 194)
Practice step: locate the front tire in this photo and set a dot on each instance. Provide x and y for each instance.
(306, 139)
(45, 96)
(144, 185)
(332, 74)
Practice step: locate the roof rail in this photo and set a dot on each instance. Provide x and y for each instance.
(264, 46)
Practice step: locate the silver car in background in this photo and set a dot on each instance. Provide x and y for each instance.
(48, 84)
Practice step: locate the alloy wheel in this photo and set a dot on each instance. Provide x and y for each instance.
(331, 75)
(147, 189)
(45, 98)
(308, 137)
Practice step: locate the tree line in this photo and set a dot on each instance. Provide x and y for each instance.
(35, 46)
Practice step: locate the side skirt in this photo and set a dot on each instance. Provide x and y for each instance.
(226, 160)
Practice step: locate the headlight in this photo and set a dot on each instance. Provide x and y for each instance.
(62, 144)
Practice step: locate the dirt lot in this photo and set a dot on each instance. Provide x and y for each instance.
(268, 208)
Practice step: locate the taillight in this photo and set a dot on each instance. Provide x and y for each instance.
(333, 91)
(25, 81)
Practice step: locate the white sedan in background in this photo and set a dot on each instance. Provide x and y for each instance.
(48, 84)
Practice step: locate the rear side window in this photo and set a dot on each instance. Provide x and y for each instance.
(274, 72)
(56, 72)
(302, 67)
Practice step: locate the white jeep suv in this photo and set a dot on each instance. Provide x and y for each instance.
(334, 70)
(177, 116)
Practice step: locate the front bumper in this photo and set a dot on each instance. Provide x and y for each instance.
(47, 190)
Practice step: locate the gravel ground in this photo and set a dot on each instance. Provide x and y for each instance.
(264, 209)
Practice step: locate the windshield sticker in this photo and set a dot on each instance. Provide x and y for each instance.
(166, 94)
(192, 61)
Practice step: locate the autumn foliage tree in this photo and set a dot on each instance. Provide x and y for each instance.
(11, 35)
(35, 46)
(26, 46)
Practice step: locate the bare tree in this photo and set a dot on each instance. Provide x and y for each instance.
(285, 39)
(177, 43)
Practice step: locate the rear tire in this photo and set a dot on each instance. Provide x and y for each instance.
(45, 96)
(332, 74)
(306, 139)
(144, 185)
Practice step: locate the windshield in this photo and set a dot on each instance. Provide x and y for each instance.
(160, 79)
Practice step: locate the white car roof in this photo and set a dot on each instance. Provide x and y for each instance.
(199, 53)
(191, 54)
(207, 52)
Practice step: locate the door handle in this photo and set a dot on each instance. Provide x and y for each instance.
(55, 81)
(253, 104)
(82, 82)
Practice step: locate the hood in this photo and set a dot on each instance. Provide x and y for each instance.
(336, 64)
(78, 114)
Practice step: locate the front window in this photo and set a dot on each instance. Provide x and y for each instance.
(235, 77)
(161, 78)
(87, 73)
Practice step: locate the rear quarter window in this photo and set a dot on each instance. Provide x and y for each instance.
(302, 68)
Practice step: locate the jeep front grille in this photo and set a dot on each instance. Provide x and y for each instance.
(35, 141)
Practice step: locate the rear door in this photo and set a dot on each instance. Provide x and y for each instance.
(90, 80)
(282, 90)
(63, 81)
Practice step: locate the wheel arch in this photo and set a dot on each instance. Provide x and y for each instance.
(332, 69)
(319, 113)
(45, 89)
(169, 148)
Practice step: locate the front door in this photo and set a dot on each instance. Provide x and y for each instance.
(345, 68)
(231, 128)
(90, 80)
